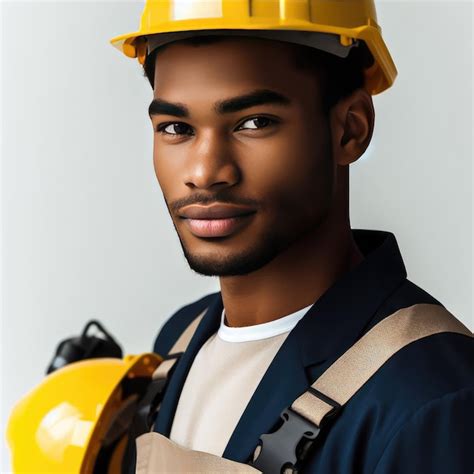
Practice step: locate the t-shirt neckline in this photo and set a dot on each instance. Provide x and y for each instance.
(260, 331)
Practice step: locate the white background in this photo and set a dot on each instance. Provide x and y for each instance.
(85, 232)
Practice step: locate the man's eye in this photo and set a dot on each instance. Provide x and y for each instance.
(259, 120)
(180, 128)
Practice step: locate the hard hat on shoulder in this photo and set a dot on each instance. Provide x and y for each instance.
(329, 25)
(76, 419)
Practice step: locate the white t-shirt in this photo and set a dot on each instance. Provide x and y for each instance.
(222, 379)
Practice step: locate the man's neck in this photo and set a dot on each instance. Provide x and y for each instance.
(294, 279)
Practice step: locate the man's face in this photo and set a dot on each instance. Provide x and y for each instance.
(270, 160)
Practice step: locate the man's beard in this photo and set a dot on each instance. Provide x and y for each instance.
(268, 247)
(238, 264)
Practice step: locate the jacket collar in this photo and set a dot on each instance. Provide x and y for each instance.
(334, 322)
(341, 315)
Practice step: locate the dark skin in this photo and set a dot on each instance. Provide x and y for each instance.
(289, 161)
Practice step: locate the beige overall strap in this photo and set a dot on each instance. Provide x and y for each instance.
(156, 454)
(355, 367)
(179, 346)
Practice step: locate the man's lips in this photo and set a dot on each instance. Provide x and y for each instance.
(216, 221)
(216, 211)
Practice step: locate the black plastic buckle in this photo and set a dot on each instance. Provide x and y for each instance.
(277, 450)
(281, 450)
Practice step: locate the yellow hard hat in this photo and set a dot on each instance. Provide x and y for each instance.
(68, 422)
(332, 25)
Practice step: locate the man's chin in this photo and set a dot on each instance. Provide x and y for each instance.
(221, 268)
(235, 265)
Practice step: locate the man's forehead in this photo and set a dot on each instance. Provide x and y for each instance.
(252, 55)
(234, 67)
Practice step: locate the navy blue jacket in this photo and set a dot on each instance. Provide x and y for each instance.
(415, 415)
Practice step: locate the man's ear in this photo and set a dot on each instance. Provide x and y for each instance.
(352, 125)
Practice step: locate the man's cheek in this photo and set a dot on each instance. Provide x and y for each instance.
(166, 180)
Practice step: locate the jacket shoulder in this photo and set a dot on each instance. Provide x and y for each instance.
(426, 369)
(178, 322)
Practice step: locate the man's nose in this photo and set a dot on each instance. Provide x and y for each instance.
(210, 163)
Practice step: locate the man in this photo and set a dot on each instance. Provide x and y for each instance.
(253, 140)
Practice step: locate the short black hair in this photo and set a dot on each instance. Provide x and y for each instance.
(339, 76)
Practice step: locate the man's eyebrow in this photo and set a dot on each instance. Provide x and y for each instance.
(160, 106)
(226, 106)
(256, 97)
